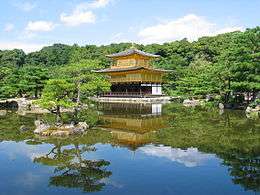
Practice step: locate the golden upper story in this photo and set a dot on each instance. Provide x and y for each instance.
(129, 61)
(133, 65)
(131, 58)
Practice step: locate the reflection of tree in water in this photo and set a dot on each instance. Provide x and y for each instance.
(231, 136)
(73, 171)
(244, 170)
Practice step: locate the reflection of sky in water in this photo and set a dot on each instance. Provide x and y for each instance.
(190, 157)
(115, 184)
(19, 175)
(29, 180)
(12, 150)
(145, 171)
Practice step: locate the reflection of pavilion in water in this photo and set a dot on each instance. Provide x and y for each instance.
(132, 124)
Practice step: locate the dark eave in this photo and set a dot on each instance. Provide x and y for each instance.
(108, 70)
(131, 52)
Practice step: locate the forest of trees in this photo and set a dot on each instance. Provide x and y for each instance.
(221, 65)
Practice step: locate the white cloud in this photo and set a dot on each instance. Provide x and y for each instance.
(78, 18)
(190, 26)
(38, 26)
(99, 3)
(92, 5)
(191, 157)
(82, 13)
(25, 6)
(12, 149)
(8, 27)
(27, 47)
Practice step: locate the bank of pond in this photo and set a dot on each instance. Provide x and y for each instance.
(133, 149)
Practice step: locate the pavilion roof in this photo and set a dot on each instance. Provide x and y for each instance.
(131, 52)
(107, 70)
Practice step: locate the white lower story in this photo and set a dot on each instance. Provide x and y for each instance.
(156, 89)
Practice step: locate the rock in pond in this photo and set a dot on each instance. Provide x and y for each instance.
(24, 128)
(253, 113)
(82, 126)
(221, 106)
(191, 103)
(40, 127)
(3, 112)
(60, 133)
(60, 130)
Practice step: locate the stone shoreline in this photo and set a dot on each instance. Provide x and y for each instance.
(27, 106)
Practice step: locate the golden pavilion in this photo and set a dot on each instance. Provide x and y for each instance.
(131, 75)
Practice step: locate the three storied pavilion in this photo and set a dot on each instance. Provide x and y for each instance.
(131, 75)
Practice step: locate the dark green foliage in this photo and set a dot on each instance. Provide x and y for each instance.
(55, 55)
(220, 65)
(25, 81)
(12, 58)
(57, 93)
(82, 76)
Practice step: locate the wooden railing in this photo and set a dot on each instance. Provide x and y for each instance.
(124, 94)
(128, 94)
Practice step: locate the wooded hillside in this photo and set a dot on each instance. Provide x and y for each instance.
(223, 64)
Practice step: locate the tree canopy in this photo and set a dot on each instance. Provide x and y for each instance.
(221, 65)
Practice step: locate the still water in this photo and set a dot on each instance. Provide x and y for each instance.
(136, 149)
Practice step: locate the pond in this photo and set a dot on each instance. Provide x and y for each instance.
(136, 149)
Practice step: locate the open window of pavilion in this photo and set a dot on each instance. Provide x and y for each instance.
(131, 74)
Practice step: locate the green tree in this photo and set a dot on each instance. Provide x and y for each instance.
(245, 56)
(57, 93)
(86, 81)
(23, 81)
(224, 64)
(12, 58)
(5, 91)
(55, 55)
(15, 84)
(198, 79)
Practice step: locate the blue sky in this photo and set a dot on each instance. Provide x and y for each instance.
(30, 25)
